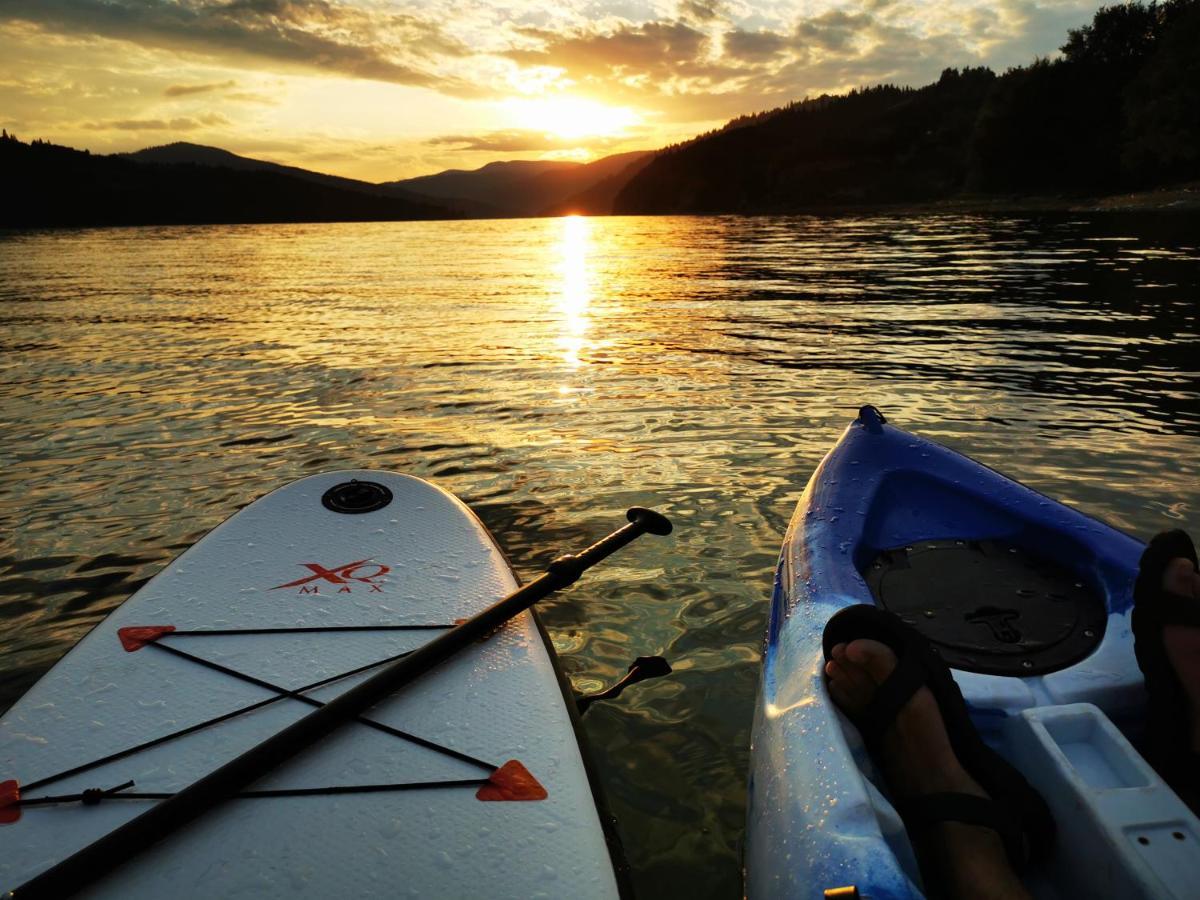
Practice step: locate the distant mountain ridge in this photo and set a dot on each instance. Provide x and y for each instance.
(49, 185)
(599, 198)
(493, 190)
(182, 152)
(523, 187)
(45, 185)
(500, 189)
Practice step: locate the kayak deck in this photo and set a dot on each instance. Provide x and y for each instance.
(883, 488)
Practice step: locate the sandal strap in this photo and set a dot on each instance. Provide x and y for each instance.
(906, 679)
(922, 813)
(1161, 550)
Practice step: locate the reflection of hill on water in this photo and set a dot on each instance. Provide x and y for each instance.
(1066, 307)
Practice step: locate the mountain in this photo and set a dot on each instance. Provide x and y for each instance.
(518, 187)
(182, 152)
(1118, 111)
(879, 145)
(45, 185)
(497, 190)
(597, 198)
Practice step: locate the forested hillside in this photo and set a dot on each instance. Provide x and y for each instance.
(48, 185)
(1119, 110)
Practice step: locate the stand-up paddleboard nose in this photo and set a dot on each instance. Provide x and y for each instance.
(493, 683)
(356, 496)
(649, 520)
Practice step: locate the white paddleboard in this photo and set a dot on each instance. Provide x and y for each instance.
(485, 795)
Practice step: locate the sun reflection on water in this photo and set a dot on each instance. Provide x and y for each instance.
(555, 371)
(576, 291)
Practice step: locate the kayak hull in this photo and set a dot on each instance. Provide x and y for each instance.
(817, 816)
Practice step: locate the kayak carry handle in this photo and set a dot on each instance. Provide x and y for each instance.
(107, 853)
(871, 418)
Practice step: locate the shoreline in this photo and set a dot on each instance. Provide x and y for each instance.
(1180, 198)
(1176, 199)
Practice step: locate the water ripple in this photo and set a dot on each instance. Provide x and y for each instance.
(552, 373)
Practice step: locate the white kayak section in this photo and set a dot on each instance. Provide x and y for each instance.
(285, 561)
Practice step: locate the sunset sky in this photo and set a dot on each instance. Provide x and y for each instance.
(386, 89)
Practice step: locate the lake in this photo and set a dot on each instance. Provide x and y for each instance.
(553, 372)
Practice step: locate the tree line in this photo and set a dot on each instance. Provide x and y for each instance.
(1118, 110)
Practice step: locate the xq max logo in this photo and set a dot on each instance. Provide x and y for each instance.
(345, 578)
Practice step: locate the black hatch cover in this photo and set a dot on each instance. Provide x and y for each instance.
(990, 606)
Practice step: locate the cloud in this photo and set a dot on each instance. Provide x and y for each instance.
(755, 46)
(700, 11)
(671, 67)
(835, 30)
(252, 97)
(520, 141)
(1013, 32)
(184, 90)
(682, 66)
(365, 42)
(651, 49)
(178, 124)
(707, 65)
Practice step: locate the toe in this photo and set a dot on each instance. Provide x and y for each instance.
(1180, 578)
(837, 690)
(850, 686)
(874, 658)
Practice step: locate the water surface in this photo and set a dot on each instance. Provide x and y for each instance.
(554, 372)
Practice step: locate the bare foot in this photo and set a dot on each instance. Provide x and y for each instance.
(918, 760)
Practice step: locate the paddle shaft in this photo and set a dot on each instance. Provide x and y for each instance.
(119, 846)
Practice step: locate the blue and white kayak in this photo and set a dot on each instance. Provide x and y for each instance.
(1029, 602)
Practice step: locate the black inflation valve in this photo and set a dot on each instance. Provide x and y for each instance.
(356, 496)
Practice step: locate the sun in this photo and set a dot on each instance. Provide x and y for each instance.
(570, 118)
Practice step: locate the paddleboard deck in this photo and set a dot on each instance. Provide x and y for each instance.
(470, 782)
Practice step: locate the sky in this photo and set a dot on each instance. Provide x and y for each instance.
(389, 89)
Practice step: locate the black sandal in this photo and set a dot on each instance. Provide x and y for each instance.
(1016, 811)
(1161, 550)
(1168, 723)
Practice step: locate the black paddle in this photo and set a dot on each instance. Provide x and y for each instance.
(119, 846)
(641, 669)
